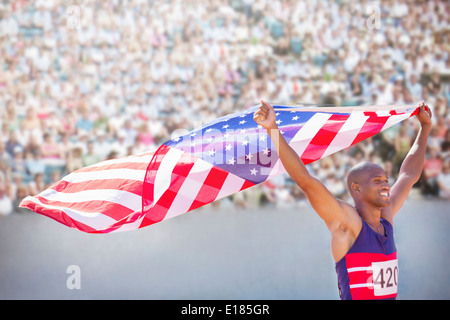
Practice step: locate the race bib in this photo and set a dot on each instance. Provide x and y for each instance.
(385, 277)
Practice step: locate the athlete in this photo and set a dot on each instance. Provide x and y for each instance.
(362, 242)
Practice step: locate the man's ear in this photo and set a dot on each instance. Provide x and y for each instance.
(355, 187)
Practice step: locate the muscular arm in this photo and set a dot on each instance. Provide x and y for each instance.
(330, 209)
(412, 166)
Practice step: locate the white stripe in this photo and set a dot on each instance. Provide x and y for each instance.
(355, 269)
(361, 285)
(127, 199)
(189, 189)
(304, 136)
(164, 173)
(232, 184)
(394, 120)
(94, 220)
(128, 174)
(299, 142)
(347, 133)
(311, 127)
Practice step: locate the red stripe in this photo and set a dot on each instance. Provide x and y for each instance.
(247, 184)
(371, 127)
(150, 174)
(357, 277)
(210, 188)
(57, 215)
(156, 212)
(110, 209)
(61, 217)
(131, 186)
(323, 138)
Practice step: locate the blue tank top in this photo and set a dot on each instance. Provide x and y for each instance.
(369, 270)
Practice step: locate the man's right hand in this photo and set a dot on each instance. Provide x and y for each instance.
(265, 116)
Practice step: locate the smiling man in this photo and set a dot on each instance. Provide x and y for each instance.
(362, 240)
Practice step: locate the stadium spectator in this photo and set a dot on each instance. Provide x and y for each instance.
(129, 74)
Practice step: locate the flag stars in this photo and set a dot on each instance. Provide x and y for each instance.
(266, 151)
(231, 161)
(295, 118)
(228, 147)
(225, 126)
(253, 171)
(242, 122)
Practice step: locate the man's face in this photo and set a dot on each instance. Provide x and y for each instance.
(374, 187)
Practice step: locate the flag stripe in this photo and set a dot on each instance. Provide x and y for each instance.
(189, 189)
(90, 208)
(231, 184)
(73, 218)
(127, 199)
(118, 174)
(132, 186)
(163, 177)
(210, 188)
(394, 120)
(372, 126)
(347, 133)
(323, 138)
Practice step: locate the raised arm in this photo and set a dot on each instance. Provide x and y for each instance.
(412, 165)
(330, 209)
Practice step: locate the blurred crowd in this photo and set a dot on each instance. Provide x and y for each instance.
(86, 81)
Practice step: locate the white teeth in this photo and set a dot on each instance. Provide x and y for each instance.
(385, 194)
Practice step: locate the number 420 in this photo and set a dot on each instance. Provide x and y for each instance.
(387, 277)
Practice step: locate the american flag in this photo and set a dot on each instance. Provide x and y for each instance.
(208, 163)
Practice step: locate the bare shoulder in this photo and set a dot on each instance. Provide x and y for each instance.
(345, 231)
(388, 214)
(351, 220)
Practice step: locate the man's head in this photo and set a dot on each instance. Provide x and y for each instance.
(368, 182)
